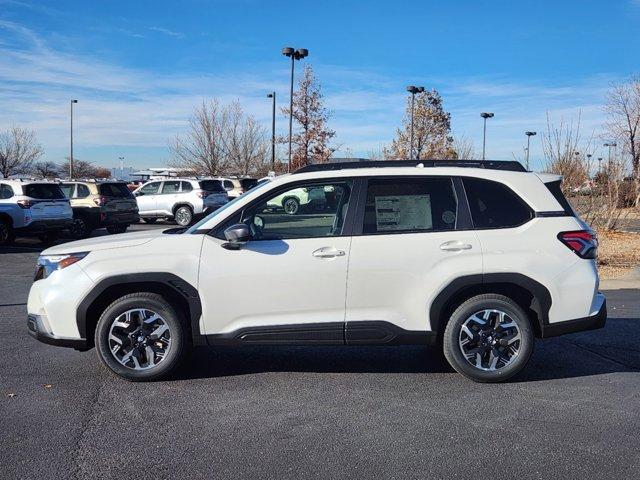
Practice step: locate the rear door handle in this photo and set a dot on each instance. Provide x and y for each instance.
(455, 246)
(328, 252)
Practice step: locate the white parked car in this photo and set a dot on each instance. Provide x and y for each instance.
(478, 257)
(180, 199)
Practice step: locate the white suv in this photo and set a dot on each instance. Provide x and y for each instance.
(32, 208)
(478, 257)
(180, 199)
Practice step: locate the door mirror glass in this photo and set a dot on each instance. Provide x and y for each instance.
(236, 236)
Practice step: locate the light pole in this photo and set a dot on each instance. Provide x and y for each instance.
(413, 90)
(485, 115)
(298, 54)
(272, 95)
(71, 154)
(599, 164)
(610, 145)
(121, 168)
(529, 135)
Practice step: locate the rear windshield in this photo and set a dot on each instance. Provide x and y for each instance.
(114, 190)
(45, 191)
(212, 186)
(556, 191)
(248, 183)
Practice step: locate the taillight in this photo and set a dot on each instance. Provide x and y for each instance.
(583, 243)
(100, 201)
(25, 203)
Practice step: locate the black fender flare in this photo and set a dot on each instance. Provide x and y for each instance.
(178, 285)
(541, 296)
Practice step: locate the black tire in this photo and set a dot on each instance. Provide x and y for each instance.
(178, 334)
(48, 237)
(183, 216)
(115, 229)
(452, 335)
(149, 220)
(291, 205)
(81, 228)
(7, 235)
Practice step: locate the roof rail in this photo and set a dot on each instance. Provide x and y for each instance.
(509, 165)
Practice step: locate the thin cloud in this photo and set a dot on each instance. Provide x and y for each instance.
(166, 31)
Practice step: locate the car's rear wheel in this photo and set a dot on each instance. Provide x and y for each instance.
(488, 338)
(7, 235)
(141, 337)
(80, 228)
(183, 216)
(149, 220)
(114, 229)
(291, 206)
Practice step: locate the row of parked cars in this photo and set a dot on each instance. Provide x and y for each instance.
(46, 208)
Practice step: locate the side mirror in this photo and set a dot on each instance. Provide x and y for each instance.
(236, 235)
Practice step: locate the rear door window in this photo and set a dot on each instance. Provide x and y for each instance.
(172, 186)
(494, 205)
(118, 190)
(406, 205)
(43, 191)
(212, 186)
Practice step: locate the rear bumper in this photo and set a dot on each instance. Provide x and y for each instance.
(46, 225)
(119, 218)
(37, 330)
(592, 322)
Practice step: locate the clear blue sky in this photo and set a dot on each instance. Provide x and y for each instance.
(139, 67)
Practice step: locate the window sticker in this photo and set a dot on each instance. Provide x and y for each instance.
(403, 212)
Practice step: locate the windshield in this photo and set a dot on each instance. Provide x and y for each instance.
(196, 226)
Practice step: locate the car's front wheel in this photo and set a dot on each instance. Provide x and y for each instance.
(488, 338)
(141, 337)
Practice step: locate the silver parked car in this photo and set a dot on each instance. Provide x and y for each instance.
(180, 199)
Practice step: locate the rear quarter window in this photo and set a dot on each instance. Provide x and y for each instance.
(5, 191)
(44, 191)
(494, 205)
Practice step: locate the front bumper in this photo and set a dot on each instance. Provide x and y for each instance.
(592, 322)
(36, 328)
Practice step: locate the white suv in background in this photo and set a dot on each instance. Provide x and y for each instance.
(477, 257)
(32, 208)
(180, 199)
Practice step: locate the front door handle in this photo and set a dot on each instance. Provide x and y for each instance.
(455, 246)
(328, 252)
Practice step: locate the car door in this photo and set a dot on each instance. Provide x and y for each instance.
(291, 276)
(147, 198)
(168, 197)
(411, 239)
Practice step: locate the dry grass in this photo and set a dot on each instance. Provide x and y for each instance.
(618, 253)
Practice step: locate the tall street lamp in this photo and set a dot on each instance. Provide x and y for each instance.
(610, 145)
(121, 168)
(71, 154)
(485, 115)
(413, 90)
(529, 135)
(599, 164)
(272, 95)
(298, 54)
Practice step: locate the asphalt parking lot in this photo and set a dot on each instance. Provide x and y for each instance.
(318, 412)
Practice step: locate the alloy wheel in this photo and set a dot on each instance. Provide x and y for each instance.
(490, 340)
(183, 217)
(139, 339)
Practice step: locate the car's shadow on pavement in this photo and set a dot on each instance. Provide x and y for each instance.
(609, 350)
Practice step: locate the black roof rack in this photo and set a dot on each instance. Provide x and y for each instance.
(509, 165)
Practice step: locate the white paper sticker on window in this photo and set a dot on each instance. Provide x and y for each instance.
(403, 212)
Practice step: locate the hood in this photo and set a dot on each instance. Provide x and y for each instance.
(106, 242)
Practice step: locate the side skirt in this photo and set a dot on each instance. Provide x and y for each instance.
(335, 333)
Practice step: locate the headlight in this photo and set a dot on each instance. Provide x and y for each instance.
(47, 264)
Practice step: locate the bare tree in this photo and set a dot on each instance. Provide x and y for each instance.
(560, 143)
(245, 143)
(19, 148)
(431, 130)
(46, 169)
(84, 169)
(623, 123)
(464, 148)
(311, 140)
(202, 149)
